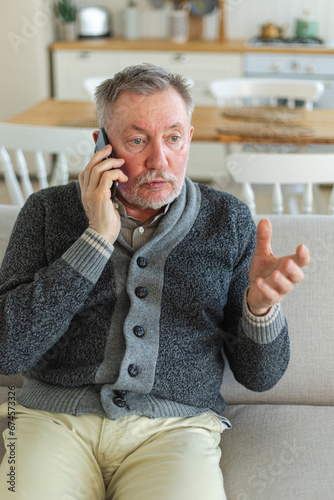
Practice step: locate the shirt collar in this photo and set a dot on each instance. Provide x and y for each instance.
(125, 217)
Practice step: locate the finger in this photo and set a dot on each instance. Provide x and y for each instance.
(98, 157)
(283, 280)
(303, 255)
(270, 295)
(281, 283)
(113, 175)
(263, 237)
(292, 271)
(107, 179)
(111, 165)
(104, 152)
(102, 191)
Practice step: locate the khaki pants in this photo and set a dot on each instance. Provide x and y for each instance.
(64, 457)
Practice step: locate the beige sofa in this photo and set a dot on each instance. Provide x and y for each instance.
(281, 445)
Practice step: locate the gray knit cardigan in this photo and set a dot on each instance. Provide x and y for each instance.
(104, 329)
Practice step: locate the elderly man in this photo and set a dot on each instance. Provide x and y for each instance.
(117, 312)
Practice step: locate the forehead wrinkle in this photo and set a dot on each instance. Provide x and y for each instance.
(169, 127)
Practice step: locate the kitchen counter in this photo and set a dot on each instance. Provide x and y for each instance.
(232, 46)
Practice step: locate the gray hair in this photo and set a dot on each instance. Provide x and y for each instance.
(139, 79)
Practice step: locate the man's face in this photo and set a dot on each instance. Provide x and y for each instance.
(152, 134)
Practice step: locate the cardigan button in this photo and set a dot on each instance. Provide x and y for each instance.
(119, 401)
(141, 292)
(142, 262)
(133, 370)
(121, 393)
(139, 331)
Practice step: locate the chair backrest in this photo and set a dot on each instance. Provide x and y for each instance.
(256, 91)
(89, 85)
(277, 169)
(71, 145)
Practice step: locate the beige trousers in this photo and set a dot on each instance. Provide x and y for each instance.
(64, 457)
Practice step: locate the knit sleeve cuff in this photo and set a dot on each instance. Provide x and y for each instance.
(262, 329)
(89, 254)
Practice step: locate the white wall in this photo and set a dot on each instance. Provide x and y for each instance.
(244, 17)
(26, 30)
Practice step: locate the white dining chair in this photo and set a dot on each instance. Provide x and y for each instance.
(264, 91)
(278, 169)
(68, 144)
(241, 92)
(254, 92)
(89, 85)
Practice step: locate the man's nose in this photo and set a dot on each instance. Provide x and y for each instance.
(157, 157)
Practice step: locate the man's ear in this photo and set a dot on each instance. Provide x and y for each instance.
(191, 132)
(95, 135)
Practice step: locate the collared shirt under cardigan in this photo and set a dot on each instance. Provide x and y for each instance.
(105, 329)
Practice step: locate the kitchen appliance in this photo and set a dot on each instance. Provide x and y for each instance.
(179, 22)
(306, 33)
(131, 21)
(281, 40)
(197, 7)
(94, 22)
(295, 66)
(202, 7)
(306, 26)
(272, 31)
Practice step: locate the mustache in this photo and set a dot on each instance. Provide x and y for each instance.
(154, 175)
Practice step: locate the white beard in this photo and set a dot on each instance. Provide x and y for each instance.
(153, 201)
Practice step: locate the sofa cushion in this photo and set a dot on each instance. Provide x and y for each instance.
(310, 314)
(278, 451)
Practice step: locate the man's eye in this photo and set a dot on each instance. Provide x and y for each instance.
(137, 141)
(174, 138)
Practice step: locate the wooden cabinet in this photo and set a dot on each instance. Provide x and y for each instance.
(199, 67)
(71, 67)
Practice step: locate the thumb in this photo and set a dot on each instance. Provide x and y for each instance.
(263, 236)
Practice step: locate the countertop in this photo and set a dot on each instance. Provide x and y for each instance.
(236, 46)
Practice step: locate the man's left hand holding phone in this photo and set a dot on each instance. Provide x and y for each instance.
(98, 183)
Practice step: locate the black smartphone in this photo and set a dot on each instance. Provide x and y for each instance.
(101, 142)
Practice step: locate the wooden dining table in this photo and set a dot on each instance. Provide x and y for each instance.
(209, 122)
